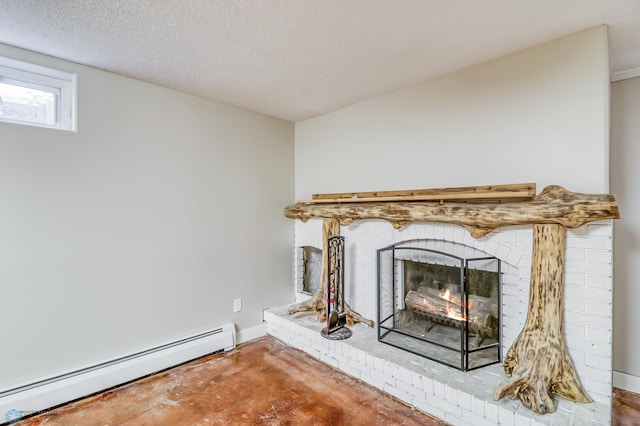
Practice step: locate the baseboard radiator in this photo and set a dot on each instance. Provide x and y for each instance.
(52, 391)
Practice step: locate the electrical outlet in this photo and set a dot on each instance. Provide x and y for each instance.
(237, 305)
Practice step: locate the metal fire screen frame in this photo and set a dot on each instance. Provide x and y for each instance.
(464, 350)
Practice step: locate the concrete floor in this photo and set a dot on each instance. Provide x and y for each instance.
(262, 382)
(626, 408)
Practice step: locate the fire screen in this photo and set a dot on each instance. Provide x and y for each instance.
(440, 306)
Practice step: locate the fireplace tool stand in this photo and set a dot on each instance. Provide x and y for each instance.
(336, 316)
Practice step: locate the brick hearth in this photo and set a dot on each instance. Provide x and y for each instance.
(457, 397)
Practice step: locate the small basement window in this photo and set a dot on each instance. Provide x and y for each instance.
(35, 95)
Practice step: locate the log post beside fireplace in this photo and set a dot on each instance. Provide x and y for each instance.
(538, 361)
(318, 302)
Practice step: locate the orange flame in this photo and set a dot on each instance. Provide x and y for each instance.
(454, 312)
(446, 295)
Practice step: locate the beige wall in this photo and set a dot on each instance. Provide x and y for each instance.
(625, 179)
(540, 115)
(140, 228)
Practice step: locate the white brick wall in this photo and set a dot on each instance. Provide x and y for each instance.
(587, 304)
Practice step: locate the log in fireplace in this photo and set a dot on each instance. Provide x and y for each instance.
(440, 305)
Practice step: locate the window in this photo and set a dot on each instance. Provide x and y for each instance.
(37, 96)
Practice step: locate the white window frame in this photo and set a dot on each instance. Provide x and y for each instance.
(39, 77)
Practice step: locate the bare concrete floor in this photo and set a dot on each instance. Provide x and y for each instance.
(262, 382)
(626, 408)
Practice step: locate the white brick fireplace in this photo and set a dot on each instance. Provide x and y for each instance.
(454, 396)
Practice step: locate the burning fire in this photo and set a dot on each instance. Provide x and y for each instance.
(446, 295)
(454, 312)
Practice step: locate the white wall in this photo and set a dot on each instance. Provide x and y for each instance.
(540, 115)
(625, 176)
(140, 228)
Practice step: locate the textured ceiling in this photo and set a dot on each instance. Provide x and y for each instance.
(296, 59)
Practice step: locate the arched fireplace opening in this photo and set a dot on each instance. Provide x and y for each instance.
(440, 305)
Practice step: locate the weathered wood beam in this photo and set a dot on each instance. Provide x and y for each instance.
(509, 192)
(538, 362)
(553, 205)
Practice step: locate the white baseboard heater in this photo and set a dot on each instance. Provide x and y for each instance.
(52, 391)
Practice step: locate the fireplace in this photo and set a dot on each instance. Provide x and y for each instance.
(456, 396)
(442, 306)
(557, 344)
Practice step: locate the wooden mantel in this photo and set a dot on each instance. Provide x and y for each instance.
(553, 205)
(538, 362)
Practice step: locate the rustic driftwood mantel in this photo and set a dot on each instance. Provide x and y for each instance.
(553, 205)
(538, 362)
